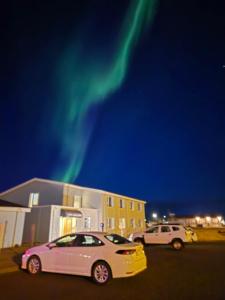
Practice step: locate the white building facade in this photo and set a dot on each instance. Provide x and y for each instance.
(12, 219)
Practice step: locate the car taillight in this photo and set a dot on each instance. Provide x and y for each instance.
(126, 252)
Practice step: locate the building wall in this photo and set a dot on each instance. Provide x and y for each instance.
(13, 222)
(54, 226)
(93, 214)
(49, 193)
(89, 199)
(37, 225)
(126, 212)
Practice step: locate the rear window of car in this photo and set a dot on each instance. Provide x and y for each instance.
(175, 228)
(116, 239)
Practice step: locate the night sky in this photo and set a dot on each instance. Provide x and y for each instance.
(125, 96)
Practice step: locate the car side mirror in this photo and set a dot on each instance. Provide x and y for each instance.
(52, 245)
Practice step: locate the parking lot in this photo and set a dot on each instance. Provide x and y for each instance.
(196, 272)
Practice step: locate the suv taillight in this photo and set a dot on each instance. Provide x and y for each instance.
(126, 252)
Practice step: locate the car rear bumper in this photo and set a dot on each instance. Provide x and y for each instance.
(130, 268)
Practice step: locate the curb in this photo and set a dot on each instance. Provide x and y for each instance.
(9, 270)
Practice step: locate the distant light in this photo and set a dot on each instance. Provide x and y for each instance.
(197, 218)
(154, 215)
(208, 219)
(164, 217)
(219, 218)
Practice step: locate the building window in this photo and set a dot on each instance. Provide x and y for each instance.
(132, 205)
(132, 223)
(110, 223)
(87, 222)
(122, 223)
(110, 201)
(122, 203)
(139, 223)
(77, 201)
(139, 207)
(33, 199)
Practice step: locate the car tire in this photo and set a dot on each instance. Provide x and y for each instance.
(177, 244)
(139, 240)
(101, 272)
(34, 265)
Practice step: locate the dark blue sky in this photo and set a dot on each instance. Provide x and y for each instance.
(160, 137)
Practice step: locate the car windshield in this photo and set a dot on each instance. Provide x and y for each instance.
(117, 239)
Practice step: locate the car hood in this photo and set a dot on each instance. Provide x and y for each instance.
(40, 248)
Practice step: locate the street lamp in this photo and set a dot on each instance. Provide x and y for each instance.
(154, 216)
(197, 218)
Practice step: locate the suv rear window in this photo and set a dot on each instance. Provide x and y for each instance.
(165, 229)
(116, 239)
(175, 228)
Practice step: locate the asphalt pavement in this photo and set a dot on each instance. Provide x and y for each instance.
(196, 272)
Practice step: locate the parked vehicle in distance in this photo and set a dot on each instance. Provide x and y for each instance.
(174, 234)
(99, 255)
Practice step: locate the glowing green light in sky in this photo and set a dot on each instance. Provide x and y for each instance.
(86, 79)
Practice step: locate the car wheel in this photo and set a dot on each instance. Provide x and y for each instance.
(139, 240)
(34, 265)
(101, 272)
(177, 244)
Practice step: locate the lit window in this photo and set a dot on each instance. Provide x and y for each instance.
(122, 223)
(132, 205)
(139, 207)
(122, 203)
(33, 199)
(111, 223)
(132, 223)
(139, 223)
(110, 201)
(77, 201)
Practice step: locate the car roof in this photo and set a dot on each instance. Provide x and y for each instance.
(92, 232)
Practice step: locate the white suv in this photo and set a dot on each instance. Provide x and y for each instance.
(174, 234)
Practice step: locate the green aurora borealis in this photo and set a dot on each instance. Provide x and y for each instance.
(86, 80)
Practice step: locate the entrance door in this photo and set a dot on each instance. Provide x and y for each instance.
(68, 225)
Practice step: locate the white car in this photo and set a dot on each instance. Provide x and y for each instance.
(173, 234)
(99, 255)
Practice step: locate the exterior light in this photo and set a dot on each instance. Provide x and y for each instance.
(164, 217)
(219, 218)
(197, 219)
(154, 215)
(208, 219)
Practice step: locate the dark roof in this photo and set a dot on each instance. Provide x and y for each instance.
(4, 203)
